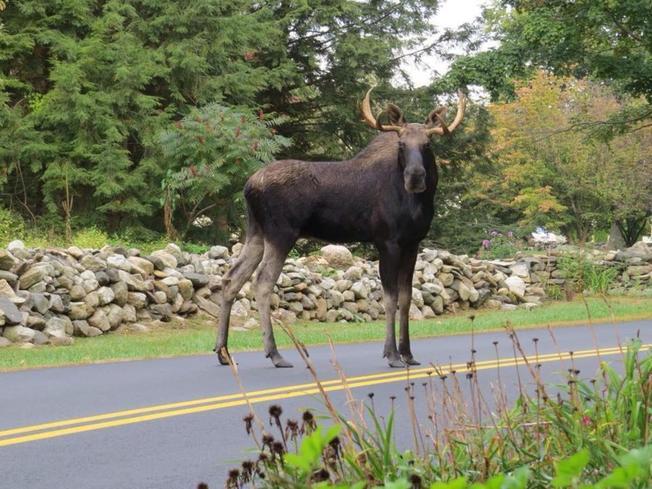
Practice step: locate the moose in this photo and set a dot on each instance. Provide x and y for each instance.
(383, 196)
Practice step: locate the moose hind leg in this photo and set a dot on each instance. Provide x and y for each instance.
(235, 278)
(408, 259)
(268, 273)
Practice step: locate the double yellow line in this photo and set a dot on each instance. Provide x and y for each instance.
(72, 426)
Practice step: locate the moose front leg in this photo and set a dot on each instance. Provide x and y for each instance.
(406, 271)
(389, 265)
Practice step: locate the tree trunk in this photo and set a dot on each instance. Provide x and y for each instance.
(632, 228)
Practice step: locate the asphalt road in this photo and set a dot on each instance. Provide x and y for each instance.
(172, 423)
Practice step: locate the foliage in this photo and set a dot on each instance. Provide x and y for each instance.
(86, 87)
(209, 154)
(552, 177)
(583, 274)
(604, 40)
(499, 245)
(11, 226)
(595, 434)
(90, 238)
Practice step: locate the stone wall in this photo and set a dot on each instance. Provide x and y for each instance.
(48, 296)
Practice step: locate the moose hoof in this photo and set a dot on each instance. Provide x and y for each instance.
(223, 355)
(279, 361)
(397, 363)
(410, 360)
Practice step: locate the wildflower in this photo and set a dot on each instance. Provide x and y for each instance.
(320, 475)
(416, 482)
(510, 234)
(248, 421)
(267, 441)
(486, 244)
(494, 233)
(292, 429)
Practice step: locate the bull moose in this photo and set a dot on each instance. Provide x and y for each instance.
(384, 196)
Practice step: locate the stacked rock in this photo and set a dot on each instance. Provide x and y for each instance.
(51, 295)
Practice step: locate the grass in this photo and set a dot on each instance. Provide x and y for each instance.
(196, 336)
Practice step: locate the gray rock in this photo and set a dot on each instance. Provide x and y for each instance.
(77, 293)
(198, 279)
(58, 341)
(119, 262)
(516, 285)
(360, 290)
(7, 291)
(35, 321)
(12, 278)
(137, 299)
(105, 295)
(34, 275)
(92, 300)
(7, 260)
(4, 342)
(40, 338)
(185, 288)
(337, 256)
(114, 314)
(40, 302)
(79, 310)
(162, 260)
(93, 263)
(10, 312)
(19, 334)
(120, 293)
(100, 320)
(55, 326)
(217, 252)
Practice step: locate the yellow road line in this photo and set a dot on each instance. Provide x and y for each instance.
(121, 418)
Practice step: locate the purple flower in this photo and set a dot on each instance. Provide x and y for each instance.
(494, 233)
(510, 234)
(486, 244)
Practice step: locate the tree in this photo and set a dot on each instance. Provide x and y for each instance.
(88, 86)
(561, 178)
(209, 155)
(604, 40)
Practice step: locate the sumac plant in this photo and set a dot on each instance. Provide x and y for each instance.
(209, 154)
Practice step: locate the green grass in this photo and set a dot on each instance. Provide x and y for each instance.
(196, 336)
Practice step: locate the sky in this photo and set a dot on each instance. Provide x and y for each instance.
(451, 14)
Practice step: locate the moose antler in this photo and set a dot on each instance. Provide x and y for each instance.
(373, 122)
(444, 129)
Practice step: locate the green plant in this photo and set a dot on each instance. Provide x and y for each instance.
(11, 226)
(91, 237)
(499, 245)
(210, 154)
(594, 434)
(583, 274)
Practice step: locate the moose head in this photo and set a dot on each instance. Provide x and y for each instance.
(413, 139)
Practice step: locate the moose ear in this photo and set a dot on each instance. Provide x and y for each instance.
(436, 117)
(395, 115)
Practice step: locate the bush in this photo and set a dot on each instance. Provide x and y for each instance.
(499, 245)
(11, 226)
(583, 274)
(92, 238)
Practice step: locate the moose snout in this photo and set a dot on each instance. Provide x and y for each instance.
(415, 180)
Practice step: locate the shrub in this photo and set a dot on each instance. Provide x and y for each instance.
(11, 226)
(583, 274)
(92, 238)
(499, 245)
